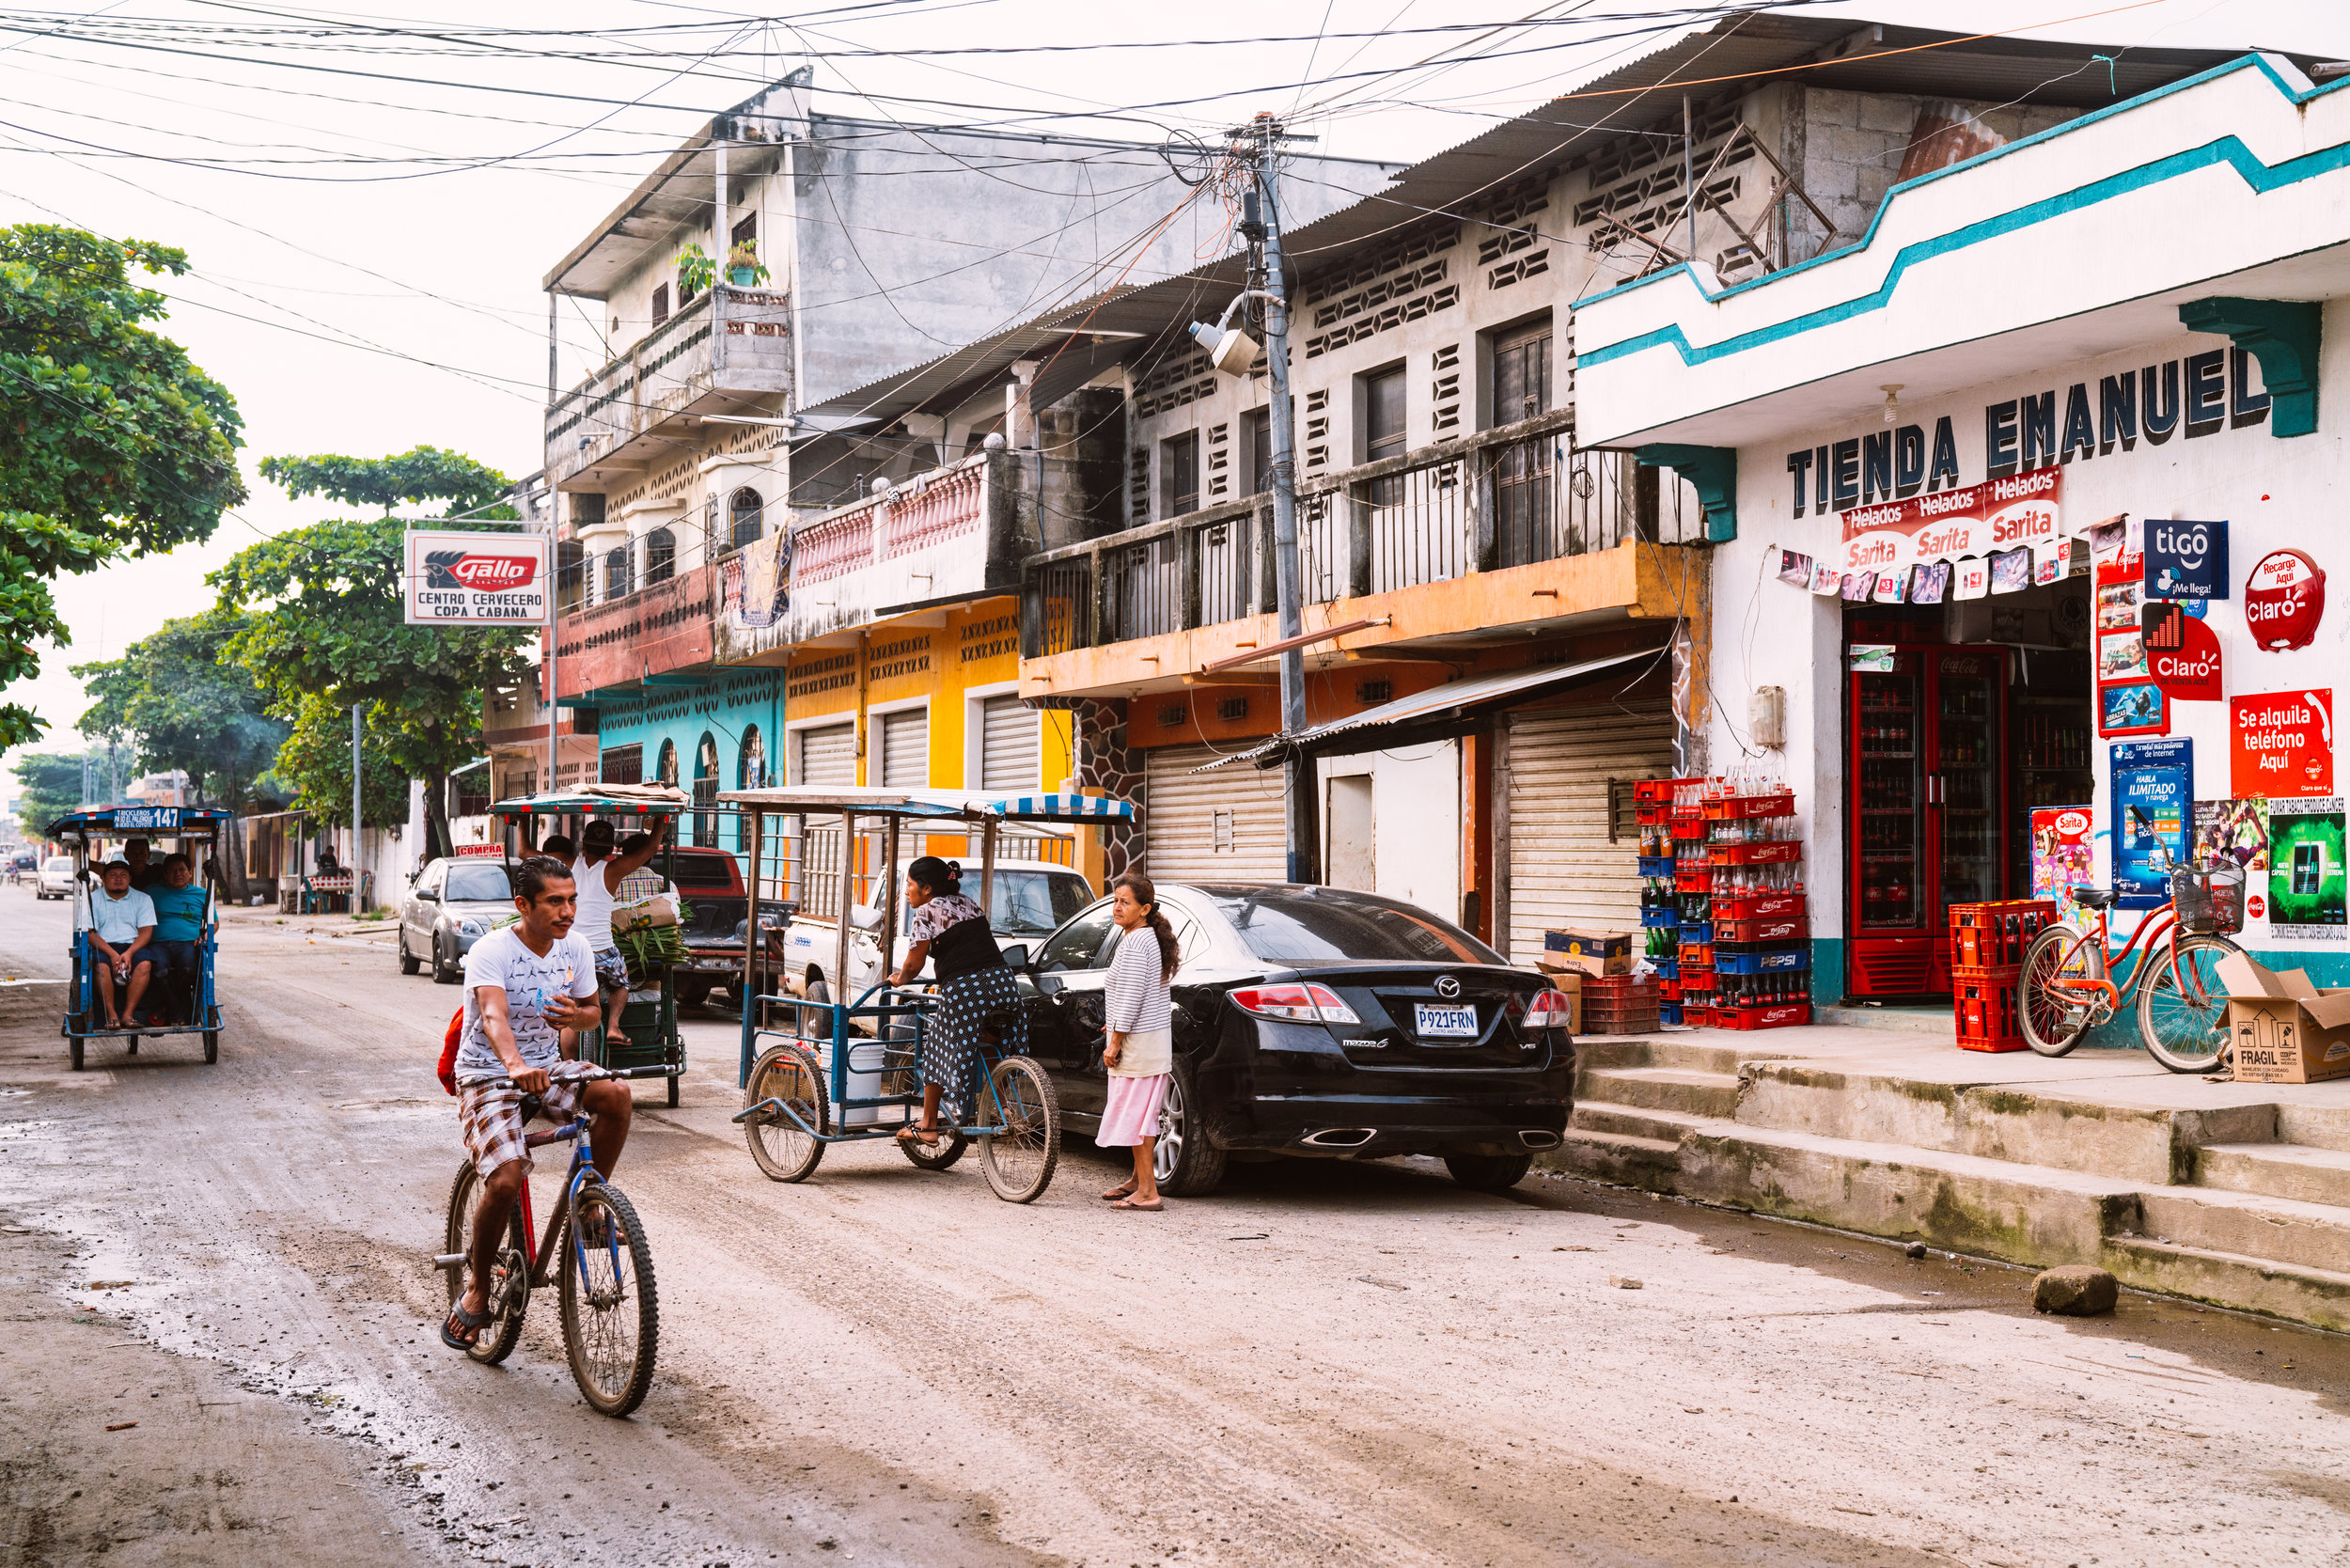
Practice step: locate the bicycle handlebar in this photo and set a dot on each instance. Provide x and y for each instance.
(599, 1075)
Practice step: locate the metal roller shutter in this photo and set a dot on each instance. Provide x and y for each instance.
(905, 749)
(826, 756)
(1010, 745)
(1563, 871)
(1221, 826)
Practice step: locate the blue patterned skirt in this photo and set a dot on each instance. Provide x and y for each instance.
(966, 1005)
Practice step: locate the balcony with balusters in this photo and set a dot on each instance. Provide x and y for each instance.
(1502, 535)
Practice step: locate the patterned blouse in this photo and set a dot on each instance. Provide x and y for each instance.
(928, 923)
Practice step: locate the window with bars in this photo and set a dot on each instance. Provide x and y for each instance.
(1385, 433)
(570, 576)
(1521, 373)
(705, 791)
(1256, 435)
(660, 557)
(616, 583)
(1179, 475)
(746, 514)
(660, 303)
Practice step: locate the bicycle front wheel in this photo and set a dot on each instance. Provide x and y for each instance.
(2057, 1015)
(611, 1314)
(1020, 1129)
(2183, 1006)
(508, 1294)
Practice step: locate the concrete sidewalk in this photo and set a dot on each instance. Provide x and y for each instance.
(2237, 1194)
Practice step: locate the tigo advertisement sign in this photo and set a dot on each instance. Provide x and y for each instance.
(2152, 785)
(2186, 560)
(2284, 743)
(473, 579)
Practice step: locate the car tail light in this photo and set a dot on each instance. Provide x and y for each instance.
(1296, 1004)
(1550, 1009)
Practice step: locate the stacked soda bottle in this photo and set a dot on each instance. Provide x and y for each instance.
(1762, 931)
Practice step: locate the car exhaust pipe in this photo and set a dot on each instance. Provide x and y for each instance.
(1535, 1139)
(1340, 1138)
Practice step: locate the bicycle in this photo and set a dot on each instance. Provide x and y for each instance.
(2065, 985)
(611, 1311)
(788, 1113)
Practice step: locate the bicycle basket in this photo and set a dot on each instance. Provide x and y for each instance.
(2208, 898)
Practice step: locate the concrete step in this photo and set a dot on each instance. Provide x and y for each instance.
(2320, 1126)
(2293, 1170)
(1940, 1021)
(1672, 1088)
(1599, 1116)
(1624, 1158)
(2249, 1284)
(1602, 1050)
(2251, 1225)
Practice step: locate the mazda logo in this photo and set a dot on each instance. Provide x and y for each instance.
(1448, 985)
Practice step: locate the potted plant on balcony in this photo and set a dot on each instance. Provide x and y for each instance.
(742, 265)
(695, 271)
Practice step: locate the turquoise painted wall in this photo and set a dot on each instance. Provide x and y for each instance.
(729, 709)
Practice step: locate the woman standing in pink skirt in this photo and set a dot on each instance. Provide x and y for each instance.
(1138, 1014)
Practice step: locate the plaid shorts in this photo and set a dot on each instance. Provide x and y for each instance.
(611, 970)
(492, 1121)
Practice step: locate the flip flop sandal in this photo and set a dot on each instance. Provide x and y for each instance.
(1130, 1204)
(1124, 1189)
(910, 1133)
(473, 1322)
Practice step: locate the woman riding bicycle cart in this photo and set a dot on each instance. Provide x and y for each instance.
(889, 1062)
(145, 932)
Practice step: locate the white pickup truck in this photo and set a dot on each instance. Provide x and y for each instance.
(1032, 899)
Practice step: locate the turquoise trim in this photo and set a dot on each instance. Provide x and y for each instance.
(1827, 971)
(1712, 472)
(2284, 335)
(2228, 150)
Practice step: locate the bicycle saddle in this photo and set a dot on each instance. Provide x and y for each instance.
(2094, 897)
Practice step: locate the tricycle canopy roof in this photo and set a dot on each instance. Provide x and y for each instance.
(963, 805)
(607, 800)
(141, 822)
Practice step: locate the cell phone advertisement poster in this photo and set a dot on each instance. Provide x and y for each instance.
(2305, 887)
(2153, 794)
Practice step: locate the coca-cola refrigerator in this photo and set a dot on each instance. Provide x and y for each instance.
(1926, 808)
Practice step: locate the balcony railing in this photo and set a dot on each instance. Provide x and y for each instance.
(729, 340)
(1512, 497)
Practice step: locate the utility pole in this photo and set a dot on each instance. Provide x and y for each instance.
(1298, 792)
(354, 808)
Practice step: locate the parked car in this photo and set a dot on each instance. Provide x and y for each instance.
(716, 904)
(1031, 898)
(1319, 1021)
(57, 878)
(455, 902)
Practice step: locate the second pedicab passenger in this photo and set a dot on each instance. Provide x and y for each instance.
(974, 988)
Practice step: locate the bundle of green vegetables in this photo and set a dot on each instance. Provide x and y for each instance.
(649, 933)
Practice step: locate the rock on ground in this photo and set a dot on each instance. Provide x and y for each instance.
(2076, 1290)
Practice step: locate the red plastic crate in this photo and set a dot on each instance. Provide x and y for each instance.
(1777, 852)
(1698, 1015)
(1660, 789)
(1778, 1016)
(1668, 991)
(1757, 906)
(1689, 878)
(1700, 954)
(1985, 1014)
(1994, 935)
(1786, 929)
(1733, 809)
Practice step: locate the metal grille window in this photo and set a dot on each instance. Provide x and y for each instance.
(660, 303)
(905, 748)
(1179, 475)
(668, 763)
(622, 764)
(570, 576)
(746, 513)
(1523, 491)
(660, 557)
(1521, 385)
(616, 584)
(753, 760)
(705, 791)
(1383, 432)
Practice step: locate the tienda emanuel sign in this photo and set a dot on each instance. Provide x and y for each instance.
(1979, 520)
(2284, 743)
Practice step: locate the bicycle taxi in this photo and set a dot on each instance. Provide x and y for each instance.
(846, 1073)
(649, 1031)
(193, 830)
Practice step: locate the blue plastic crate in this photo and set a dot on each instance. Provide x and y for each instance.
(1668, 1012)
(1667, 919)
(1656, 865)
(1666, 968)
(1700, 931)
(1764, 962)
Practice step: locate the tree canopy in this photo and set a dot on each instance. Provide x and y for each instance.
(315, 764)
(49, 785)
(184, 705)
(118, 443)
(418, 475)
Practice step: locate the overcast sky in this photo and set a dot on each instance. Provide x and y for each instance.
(368, 218)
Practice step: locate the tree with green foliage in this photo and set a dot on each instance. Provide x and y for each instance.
(326, 621)
(315, 764)
(49, 784)
(117, 444)
(184, 705)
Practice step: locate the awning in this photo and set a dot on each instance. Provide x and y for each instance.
(965, 805)
(1452, 700)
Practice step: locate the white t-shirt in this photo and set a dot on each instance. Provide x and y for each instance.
(593, 923)
(530, 982)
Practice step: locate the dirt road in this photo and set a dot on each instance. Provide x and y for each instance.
(1336, 1362)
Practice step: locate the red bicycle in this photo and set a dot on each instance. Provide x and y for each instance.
(2171, 962)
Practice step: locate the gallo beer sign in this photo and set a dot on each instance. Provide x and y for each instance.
(476, 579)
(2284, 743)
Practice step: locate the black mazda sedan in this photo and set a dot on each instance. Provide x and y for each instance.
(1318, 1022)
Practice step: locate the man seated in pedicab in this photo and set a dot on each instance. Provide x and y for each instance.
(145, 874)
(121, 937)
(181, 909)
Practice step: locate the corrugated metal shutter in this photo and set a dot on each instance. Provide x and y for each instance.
(1221, 826)
(825, 755)
(1563, 871)
(1010, 745)
(905, 749)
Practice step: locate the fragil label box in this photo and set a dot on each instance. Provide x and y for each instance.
(2285, 1029)
(1593, 953)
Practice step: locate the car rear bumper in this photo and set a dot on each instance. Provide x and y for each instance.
(1377, 1125)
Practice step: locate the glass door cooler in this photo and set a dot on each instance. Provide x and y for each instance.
(1927, 808)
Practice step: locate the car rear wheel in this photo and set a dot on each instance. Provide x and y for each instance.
(1489, 1172)
(443, 973)
(1185, 1162)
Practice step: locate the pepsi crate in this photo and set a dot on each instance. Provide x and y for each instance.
(1660, 915)
(1761, 961)
(1656, 865)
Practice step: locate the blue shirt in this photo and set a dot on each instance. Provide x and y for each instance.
(178, 913)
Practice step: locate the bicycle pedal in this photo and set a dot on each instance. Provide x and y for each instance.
(448, 1260)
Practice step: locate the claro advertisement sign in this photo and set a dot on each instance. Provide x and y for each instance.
(476, 579)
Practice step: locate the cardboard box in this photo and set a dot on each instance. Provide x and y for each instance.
(2286, 1030)
(1569, 983)
(1591, 953)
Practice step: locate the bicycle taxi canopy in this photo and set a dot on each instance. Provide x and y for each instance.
(78, 831)
(810, 1119)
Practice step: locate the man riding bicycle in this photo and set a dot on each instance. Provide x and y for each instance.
(530, 988)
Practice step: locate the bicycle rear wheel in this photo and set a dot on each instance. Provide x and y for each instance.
(509, 1294)
(2055, 1017)
(2183, 1007)
(1020, 1141)
(781, 1147)
(611, 1314)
